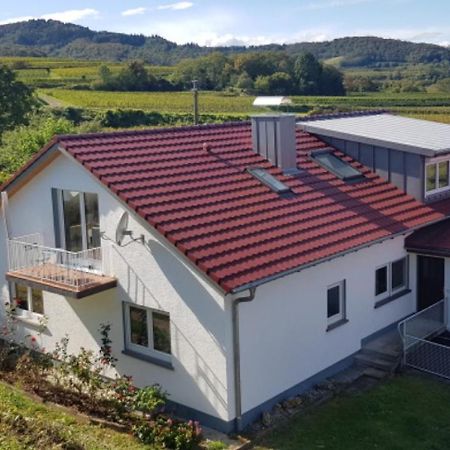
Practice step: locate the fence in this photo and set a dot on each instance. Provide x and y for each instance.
(418, 332)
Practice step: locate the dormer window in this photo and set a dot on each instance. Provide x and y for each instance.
(436, 177)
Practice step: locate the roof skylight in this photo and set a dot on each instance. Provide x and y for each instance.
(269, 180)
(340, 168)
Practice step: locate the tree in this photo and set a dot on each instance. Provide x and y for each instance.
(16, 100)
(308, 73)
(280, 83)
(331, 81)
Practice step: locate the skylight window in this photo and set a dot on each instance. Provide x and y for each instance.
(337, 166)
(269, 180)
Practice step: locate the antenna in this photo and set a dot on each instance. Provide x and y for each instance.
(122, 230)
(195, 92)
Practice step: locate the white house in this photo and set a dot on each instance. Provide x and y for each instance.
(237, 263)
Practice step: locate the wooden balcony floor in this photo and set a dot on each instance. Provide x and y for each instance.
(62, 280)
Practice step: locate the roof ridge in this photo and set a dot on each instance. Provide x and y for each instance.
(341, 115)
(151, 131)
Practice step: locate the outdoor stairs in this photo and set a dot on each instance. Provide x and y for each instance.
(381, 356)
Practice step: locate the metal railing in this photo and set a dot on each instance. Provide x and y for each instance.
(418, 332)
(27, 256)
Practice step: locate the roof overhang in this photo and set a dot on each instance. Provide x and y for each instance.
(38, 163)
(315, 128)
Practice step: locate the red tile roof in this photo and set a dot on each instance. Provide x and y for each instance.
(431, 240)
(191, 184)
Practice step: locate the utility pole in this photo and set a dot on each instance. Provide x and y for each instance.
(195, 92)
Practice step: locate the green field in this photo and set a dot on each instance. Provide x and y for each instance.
(423, 105)
(56, 78)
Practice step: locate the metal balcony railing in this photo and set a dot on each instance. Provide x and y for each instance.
(28, 258)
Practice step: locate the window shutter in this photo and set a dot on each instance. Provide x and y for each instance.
(56, 216)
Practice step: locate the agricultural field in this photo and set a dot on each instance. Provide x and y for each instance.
(60, 72)
(64, 82)
(422, 105)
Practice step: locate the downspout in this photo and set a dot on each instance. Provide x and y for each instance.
(237, 357)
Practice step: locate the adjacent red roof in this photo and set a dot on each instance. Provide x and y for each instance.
(431, 240)
(191, 184)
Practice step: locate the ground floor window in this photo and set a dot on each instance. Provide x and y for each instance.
(391, 278)
(26, 301)
(147, 331)
(336, 303)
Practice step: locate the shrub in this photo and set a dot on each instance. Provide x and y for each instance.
(150, 399)
(169, 433)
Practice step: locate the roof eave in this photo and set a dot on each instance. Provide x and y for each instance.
(266, 280)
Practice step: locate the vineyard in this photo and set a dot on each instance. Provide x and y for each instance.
(66, 82)
(423, 105)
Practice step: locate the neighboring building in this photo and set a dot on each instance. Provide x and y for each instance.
(237, 263)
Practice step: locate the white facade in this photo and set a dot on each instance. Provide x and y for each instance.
(283, 330)
(283, 337)
(148, 275)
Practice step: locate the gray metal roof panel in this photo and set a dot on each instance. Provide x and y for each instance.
(400, 133)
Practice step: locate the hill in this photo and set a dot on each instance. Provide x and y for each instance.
(51, 38)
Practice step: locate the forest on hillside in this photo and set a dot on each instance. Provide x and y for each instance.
(53, 38)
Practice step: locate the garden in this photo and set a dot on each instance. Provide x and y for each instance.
(78, 381)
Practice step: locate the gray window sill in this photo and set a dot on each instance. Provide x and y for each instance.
(390, 299)
(149, 359)
(337, 324)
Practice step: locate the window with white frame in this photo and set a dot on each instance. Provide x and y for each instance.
(26, 301)
(437, 177)
(336, 303)
(391, 278)
(147, 331)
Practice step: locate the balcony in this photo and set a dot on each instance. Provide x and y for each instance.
(72, 274)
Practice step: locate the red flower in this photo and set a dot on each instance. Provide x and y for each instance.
(33, 339)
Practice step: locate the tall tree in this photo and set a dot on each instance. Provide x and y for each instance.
(16, 100)
(308, 73)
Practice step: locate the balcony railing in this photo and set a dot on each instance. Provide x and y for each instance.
(77, 272)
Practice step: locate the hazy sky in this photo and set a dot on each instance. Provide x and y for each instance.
(226, 22)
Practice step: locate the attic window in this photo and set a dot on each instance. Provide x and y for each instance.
(269, 180)
(340, 168)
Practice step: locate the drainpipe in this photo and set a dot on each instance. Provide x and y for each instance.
(237, 357)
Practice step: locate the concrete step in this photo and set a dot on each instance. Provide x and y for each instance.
(388, 354)
(376, 362)
(375, 373)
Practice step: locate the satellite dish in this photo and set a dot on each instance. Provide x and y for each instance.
(122, 230)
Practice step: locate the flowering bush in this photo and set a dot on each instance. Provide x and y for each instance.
(169, 433)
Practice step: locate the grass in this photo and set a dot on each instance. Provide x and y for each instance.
(26, 424)
(408, 412)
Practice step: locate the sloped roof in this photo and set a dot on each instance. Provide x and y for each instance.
(431, 240)
(191, 184)
(401, 133)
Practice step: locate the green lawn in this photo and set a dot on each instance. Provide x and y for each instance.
(405, 413)
(26, 424)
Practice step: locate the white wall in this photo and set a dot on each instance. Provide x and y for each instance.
(283, 330)
(148, 275)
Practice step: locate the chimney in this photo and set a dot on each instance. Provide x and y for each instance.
(273, 137)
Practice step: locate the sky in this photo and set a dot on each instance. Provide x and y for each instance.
(248, 22)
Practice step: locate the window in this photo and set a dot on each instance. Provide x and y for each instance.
(79, 224)
(26, 301)
(391, 278)
(339, 167)
(147, 331)
(269, 180)
(437, 177)
(336, 303)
